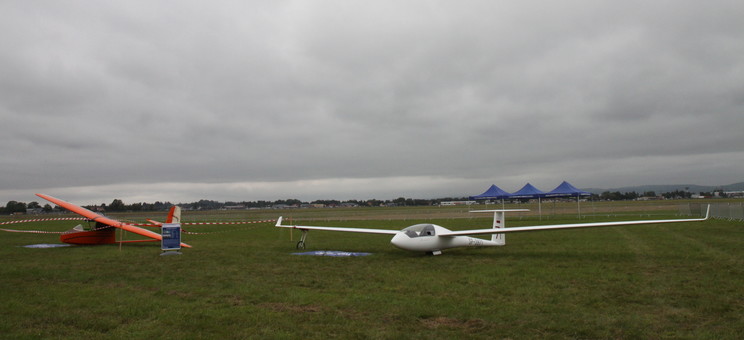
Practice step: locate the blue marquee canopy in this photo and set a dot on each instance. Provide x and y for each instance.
(528, 191)
(493, 192)
(566, 190)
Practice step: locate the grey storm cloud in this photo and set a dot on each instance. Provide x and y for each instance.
(180, 100)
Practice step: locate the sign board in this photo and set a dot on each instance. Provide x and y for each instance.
(171, 233)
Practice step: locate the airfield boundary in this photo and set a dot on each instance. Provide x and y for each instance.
(733, 211)
(680, 281)
(730, 209)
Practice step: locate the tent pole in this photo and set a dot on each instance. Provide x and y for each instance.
(539, 207)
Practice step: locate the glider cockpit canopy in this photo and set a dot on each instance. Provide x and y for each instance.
(419, 230)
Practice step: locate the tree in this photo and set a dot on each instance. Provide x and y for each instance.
(116, 205)
(400, 201)
(288, 202)
(13, 207)
(373, 203)
(631, 195)
(677, 194)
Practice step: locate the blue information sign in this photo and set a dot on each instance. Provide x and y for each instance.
(171, 233)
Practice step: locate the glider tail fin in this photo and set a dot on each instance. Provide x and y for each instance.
(174, 215)
(498, 222)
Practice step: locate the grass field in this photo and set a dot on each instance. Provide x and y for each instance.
(679, 281)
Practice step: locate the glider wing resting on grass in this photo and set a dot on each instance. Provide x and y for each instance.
(104, 231)
(432, 238)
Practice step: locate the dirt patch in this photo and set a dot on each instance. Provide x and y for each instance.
(470, 325)
(285, 307)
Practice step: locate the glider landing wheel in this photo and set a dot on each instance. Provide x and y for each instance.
(301, 244)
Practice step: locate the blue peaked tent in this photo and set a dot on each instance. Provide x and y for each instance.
(528, 191)
(493, 192)
(566, 190)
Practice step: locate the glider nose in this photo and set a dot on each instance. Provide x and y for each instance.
(398, 240)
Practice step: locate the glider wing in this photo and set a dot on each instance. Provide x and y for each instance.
(103, 219)
(567, 226)
(350, 230)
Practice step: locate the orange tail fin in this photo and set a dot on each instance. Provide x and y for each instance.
(174, 215)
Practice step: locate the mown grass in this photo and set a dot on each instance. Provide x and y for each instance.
(665, 281)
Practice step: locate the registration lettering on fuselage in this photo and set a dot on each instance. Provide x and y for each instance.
(475, 242)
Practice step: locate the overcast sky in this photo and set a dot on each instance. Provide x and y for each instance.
(261, 100)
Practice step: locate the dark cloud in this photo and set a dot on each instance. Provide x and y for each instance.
(348, 99)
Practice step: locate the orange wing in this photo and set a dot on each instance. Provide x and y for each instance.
(103, 219)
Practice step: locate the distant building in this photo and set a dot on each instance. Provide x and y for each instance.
(34, 211)
(734, 193)
(284, 206)
(450, 203)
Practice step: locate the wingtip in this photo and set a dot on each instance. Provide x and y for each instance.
(47, 197)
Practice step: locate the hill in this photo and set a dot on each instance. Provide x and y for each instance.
(671, 187)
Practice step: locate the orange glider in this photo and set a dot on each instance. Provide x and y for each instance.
(100, 235)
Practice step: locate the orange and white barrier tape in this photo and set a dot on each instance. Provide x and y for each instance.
(46, 219)
(225, 223)
(105, 227)
(32, 231)
(39, 220)
(204, 223)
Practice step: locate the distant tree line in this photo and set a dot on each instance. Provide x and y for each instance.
(624, 196)
(677, 194)
(13, 207)
(118, 205)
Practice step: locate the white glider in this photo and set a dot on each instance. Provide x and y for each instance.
(432, 238)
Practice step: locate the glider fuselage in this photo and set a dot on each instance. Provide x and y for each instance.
(425, 237)
(90, 237)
